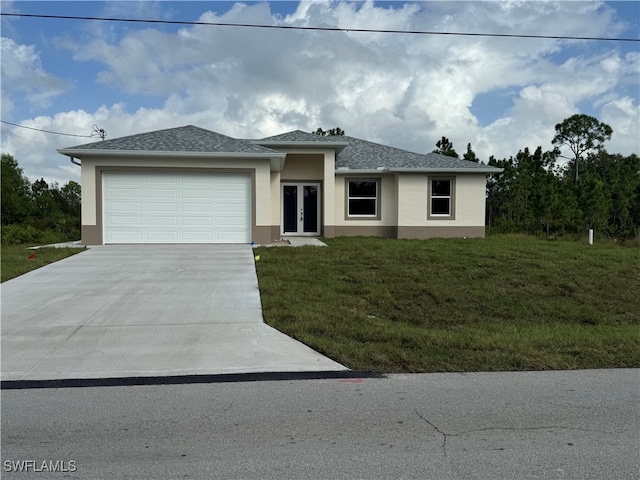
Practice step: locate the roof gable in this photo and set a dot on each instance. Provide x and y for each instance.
(181, 139)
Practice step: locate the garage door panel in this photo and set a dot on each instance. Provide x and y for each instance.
(235, 208)
(165, 207)
(124, 207)
(155, 194)
(160, 179)
(161, 236)
(197, 208)
(197, 221)
(124, 237)
(156, 221)
(196, 194)
(176, 208)
(198, 237)
(116, 193)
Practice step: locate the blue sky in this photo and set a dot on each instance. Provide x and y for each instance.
(501, 95)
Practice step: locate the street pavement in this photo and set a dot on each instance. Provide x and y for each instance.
(503, 425)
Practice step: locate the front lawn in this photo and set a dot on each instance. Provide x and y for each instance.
(16, 259)
(505, 302)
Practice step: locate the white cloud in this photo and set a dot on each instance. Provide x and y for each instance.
(403, 90)
(624, 118)
(23, 76)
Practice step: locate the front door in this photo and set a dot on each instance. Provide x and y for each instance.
(301, 209)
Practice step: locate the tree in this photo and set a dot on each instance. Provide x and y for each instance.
(621, 176)
(470, 155)
(16, 200)
(332, 132)
(445, 147)
(595, 201)
(582, 134)
(71, 199)
(46, 203)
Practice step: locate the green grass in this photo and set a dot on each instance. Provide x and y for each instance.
(15, 259)
(506, 302)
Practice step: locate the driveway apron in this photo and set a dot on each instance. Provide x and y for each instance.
(145, 311)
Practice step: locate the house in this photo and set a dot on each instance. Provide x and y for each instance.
(191, 185)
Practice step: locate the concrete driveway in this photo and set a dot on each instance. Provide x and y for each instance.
(145, 311)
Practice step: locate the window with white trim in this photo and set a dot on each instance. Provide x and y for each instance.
(363, 198)
(441, 195)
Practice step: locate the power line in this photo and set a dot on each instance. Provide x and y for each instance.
(97, 132)
(324, 29)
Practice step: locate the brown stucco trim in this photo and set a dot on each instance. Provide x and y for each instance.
(91, 235)
(430, 178)
(94, 232)
(441, 232)
(378, 180)
(265, 234)
(329, 231)
(363, 231)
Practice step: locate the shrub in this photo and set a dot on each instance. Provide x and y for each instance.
(28, 234)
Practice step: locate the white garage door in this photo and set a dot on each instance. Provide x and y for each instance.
(176, 208)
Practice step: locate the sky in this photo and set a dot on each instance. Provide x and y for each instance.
(405, 90)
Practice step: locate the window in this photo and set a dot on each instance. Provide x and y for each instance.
(363, 197)
(441, 198)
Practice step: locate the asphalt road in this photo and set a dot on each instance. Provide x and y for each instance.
(533, 425)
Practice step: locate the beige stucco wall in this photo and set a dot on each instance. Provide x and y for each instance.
(301, 167)
(404, 201)
(388, 202)
(276, 198)
(469, 201)
(261, 167)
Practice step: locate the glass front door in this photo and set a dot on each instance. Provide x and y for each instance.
(301, 209)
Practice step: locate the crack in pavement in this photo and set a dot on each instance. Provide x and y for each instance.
(444, 434)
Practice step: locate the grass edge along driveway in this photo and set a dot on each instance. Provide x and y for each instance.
(507, 302)
(17, 260)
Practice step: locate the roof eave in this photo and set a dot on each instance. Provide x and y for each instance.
(487, 170)
(80, 152)
(361, 171)
(368, 171)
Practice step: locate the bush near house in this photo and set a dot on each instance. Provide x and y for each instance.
(506, 302)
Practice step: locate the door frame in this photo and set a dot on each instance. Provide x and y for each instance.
(300, 185)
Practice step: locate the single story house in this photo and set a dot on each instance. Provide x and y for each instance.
(191, 185)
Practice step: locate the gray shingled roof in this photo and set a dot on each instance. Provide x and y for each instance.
(363, 155)
(180, 139)
(351, 153)
(300, 136)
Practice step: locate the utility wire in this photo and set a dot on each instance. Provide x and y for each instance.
(97, 131)
(324, 29)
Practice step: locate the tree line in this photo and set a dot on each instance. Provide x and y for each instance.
(37, 212)
(538, 194)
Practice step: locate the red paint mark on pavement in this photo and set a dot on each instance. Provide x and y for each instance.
(351, 380)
